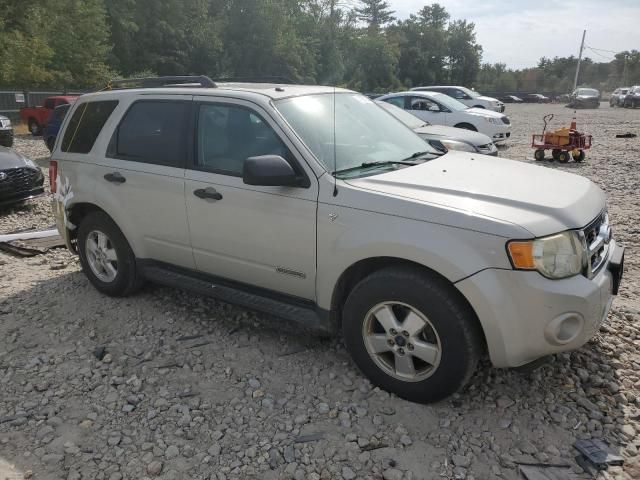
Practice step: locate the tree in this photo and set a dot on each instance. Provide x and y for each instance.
(375, 13)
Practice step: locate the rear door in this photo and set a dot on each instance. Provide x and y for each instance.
(141, 177)
(260, 236)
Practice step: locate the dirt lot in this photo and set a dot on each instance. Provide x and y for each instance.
(191, 388)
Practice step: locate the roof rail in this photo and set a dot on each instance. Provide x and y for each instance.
(258, 79)
(157, 82)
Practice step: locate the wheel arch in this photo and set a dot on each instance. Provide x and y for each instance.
(75, 214)
(362, 268)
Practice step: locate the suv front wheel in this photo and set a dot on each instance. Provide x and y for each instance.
(411, 334)
(106, 257)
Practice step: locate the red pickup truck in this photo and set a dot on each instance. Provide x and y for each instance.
(36, 117)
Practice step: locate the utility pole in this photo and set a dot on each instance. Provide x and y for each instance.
(575, 80)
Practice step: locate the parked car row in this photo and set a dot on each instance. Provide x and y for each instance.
(440, 109)
(628, 97)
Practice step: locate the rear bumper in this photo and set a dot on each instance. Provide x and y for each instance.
(526, 316)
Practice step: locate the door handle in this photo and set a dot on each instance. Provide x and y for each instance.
(115, 177)
(208, 192)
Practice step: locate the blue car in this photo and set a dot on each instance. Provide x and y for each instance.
(54, 122)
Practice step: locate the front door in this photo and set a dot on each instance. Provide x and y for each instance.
(427, 110)
(260, 236)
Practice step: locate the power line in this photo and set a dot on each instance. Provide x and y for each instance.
(599, 54)
(601, 49)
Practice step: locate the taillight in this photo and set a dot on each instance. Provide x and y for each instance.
(53, 173)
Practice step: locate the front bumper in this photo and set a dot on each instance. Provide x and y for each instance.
(526, 316)
(22, 196)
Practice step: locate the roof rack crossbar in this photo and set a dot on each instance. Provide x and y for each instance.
(156, 82)
(258, 79)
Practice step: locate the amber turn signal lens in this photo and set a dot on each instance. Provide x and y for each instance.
(521, 254)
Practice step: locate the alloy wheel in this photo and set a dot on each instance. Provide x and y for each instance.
(402, 341)
(101, 256)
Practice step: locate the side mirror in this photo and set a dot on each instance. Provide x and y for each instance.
(270, 171)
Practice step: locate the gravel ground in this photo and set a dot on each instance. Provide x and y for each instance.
(191, 388)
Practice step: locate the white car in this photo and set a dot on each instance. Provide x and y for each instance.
(440, 109)
(466, 96)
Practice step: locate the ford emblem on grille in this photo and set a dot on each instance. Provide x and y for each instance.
(3, 176)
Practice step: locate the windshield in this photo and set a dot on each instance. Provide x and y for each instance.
(469, 92)
(409, 120)
(364, 133)
(448, 102)
(588, 91)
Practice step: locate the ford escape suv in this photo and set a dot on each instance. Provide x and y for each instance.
(314, 205)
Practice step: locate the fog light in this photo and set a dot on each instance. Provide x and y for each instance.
(564, 328)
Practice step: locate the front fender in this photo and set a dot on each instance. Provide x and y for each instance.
(355, 235)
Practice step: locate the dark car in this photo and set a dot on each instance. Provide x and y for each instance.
(510, 99)
(6, 132)
(536, 98)
(20, 178)
(617, 97)
(632, 98)
(585, 98)
(53, 125)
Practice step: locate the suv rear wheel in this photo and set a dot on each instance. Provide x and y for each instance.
(411, 334)
(106, 257)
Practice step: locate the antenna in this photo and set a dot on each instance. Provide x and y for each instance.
(335, 148)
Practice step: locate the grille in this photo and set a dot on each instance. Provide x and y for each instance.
(506, 120)
(19, 180)
(596, 236)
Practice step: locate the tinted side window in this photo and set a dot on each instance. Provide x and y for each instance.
(152, 131)
(59, 113)
(422, 103)
(228, 135)
(85, 125)
(49, 103)
(397, 101)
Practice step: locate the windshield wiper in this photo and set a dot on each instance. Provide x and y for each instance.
(418, 154)
(378, 164)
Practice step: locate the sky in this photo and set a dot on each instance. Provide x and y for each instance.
(520, 32)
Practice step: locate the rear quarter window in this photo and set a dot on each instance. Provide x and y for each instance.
(85, 125)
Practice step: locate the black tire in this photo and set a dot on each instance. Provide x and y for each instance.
(563, 157)
(8, 143)
(466, 126)
(555, 152)
(126, 280)
(455, 324)
(34, 127)
(539, 154)
(580, 157)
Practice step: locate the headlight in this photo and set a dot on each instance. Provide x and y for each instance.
(495, 121)
(451, 145)
(5, 122)
(557, 256)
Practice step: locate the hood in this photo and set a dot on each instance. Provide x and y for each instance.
(537, 199)
(474, 138)
(11, 159)
(489, 99)
(484, 112)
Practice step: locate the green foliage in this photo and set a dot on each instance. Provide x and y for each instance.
(82, 43)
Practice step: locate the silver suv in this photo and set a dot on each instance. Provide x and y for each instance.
(315, 205)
